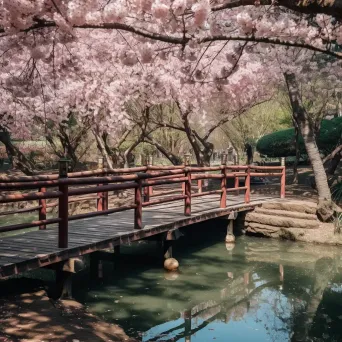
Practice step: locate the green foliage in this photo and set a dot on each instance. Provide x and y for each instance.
(258, 121)
(282, 143)
(336, 192)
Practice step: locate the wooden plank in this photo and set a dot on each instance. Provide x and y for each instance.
(27, 250)
(12, 260)
(39, 248)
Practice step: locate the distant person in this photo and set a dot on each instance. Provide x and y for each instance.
(249, 153)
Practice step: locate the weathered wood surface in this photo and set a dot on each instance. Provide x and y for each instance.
(36, 249)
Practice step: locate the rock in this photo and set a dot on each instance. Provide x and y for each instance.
(325, 210)
(263, 229)
(171, 264)
(230, 238)
(281, 221)
(297, 206)
(286, 213)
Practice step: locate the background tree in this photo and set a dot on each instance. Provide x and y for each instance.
(254, 124)
(69, 138)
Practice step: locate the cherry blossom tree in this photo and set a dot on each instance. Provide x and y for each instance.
(319, 80)
(97, 55)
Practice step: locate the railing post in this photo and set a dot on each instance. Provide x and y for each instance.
(105, 201)
(200, 186)
(100, 195)
(148, 190)
(138, 203)
(236, 183)
(186, 162)
(150, 163)
(248, 185)
(283, 182)
(63, 206)
(223, 201)
(42, 209)
(187, 186)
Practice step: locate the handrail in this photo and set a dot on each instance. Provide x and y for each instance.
(81, 174)
(29, 197)
(140, 179)
(85, 181)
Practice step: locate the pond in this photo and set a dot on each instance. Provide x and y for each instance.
(260, 290)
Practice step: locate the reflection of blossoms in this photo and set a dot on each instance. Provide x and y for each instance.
(237, 312)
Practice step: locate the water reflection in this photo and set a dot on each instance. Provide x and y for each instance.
(261, 290)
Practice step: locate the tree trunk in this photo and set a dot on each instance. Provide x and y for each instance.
(295, 164)
(18, 158)
(325, 206)
(324, 273)
(205, 156)
(102, 148)
(129, 151)
(175, 160)
(194, 143)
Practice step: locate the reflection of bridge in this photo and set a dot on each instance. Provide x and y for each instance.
(270, 264)
(236, 295)
(85, 233)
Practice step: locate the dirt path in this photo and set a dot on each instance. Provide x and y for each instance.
(33, 317)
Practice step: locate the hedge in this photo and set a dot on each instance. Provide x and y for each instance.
(282, 143)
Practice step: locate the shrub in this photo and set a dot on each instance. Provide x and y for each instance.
(282, 143)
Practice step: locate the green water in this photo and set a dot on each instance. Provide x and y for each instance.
(261, 290)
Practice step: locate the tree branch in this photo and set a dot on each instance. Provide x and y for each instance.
(175, 160)
(330, 156)
(183, 40)
(333, 8)
(231, 116)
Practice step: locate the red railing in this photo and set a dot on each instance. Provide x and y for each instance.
(140, 179)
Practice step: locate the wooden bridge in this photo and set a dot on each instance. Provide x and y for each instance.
(183, 202)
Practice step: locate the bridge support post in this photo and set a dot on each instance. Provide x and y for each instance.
(42, 209)
(187, 325)
(63, 206)
(64, 271)
(117, 249)
(95, 269)
(167, 248)
(63, 284)
(230, 238)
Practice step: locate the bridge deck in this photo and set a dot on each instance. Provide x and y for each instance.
(37, 249)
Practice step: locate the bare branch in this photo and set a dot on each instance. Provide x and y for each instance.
(333, 8)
